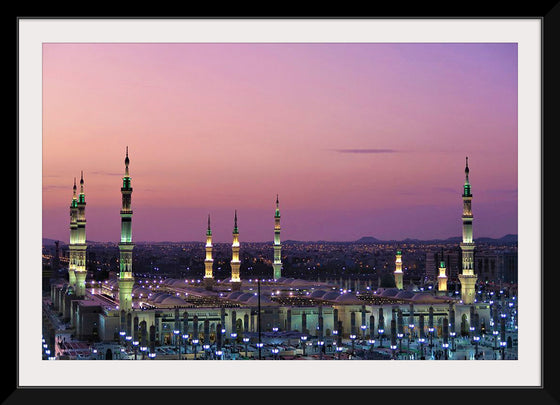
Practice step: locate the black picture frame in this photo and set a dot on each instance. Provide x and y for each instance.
(549, 12)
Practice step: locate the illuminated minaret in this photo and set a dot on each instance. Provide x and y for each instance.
(442, 277)
(398, 271)
(80, 245)
(277, 265)
(126, 280)
(73, 238)
(235, 263)
(208, 262)
(467, 277)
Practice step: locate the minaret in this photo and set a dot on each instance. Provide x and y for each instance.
(467, 277)
(126, 280)
(80, 245)
(235, 263)
(398, 271)
(73, 238)
(442, 277)
(277, 265)
(208, 262)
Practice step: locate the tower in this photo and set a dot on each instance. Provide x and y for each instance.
(208, 262)
(442, 277)
(235, 263)
(277, 265)
(398, 271)
(73, 238)
(467, 277)
(126, 279)
(80, 245)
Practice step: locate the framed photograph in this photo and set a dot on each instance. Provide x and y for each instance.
(404, 154)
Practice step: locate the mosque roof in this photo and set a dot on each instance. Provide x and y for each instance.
(390, 292)
(331, 295)
(405, 295)
(318, 294)
(348, 298)
(173, 300)
(423, 297)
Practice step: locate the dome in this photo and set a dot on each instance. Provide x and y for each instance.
(245, 296)
(390, 292)
(330, 296)
(172, 300)
(179, 283)
(234, 295)
(141, 290)
(423, 297)
(405, 295)
(255, 299)
(348, 299)
(317, 294)
(159, 297)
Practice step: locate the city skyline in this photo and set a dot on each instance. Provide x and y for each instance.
(374, 135)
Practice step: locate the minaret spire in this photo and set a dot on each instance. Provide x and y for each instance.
(73, 238)
(398, 274)
(235, 263)
(208, 262)
(80, 241)
(277, 264)
(467, 277)
(126, 278)
(442, 277)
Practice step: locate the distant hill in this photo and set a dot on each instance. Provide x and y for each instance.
(509, 238)
(368, 239)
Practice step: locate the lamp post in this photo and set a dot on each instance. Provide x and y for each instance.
(176, 339)
(393, 338)
(445, 331)
(234, 340)
(303, 339)
(194, 346)
(185, 338)
(246, 341)
(275, 351)
(422, 338)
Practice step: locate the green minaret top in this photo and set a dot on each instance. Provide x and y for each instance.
(82, 198)
(126, 178)
(209, 231)
(277, 212)
(467, 186)
(74, 198)
(235, 230)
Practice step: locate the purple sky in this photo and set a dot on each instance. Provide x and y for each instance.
(357, 139)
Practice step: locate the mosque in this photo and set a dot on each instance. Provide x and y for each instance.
(149, 312)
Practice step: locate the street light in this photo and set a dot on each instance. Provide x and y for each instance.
(194, 344)
(246, 341)
(380, 332)
(185, 337)
(303, 339)
(320, 344)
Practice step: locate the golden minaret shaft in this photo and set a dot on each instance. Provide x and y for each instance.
(277, 265)
(73, 238)
(442, 277)
(126, 279)
(235, 263)
(398, 271)
(208, 262)
(80, 245)
(467, 277)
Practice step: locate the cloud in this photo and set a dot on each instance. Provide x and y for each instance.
(103, 173)
(365, 151)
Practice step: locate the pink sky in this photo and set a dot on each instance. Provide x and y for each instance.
(357, 139)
